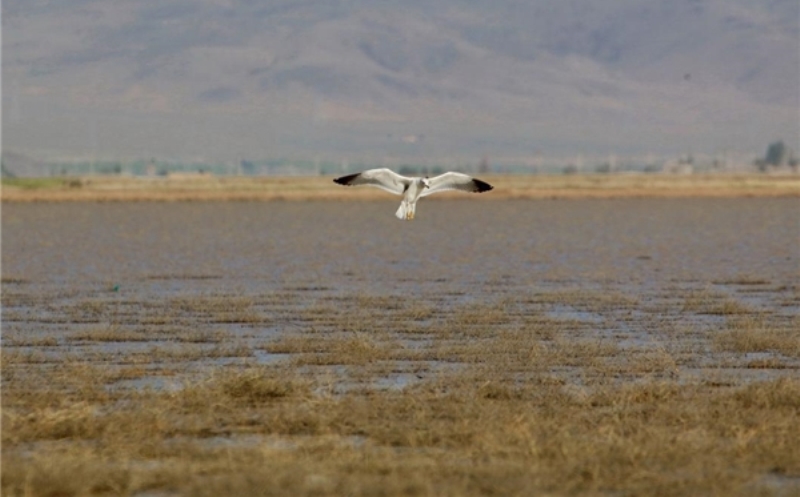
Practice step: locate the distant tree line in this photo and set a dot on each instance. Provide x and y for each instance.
(778, 156)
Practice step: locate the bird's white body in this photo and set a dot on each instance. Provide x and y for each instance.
(408, 205)
(412, 189)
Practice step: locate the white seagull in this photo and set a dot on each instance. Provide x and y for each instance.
(413, 188)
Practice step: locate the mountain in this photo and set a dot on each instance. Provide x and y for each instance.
(455, 79)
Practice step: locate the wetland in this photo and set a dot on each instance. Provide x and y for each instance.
(581, 346)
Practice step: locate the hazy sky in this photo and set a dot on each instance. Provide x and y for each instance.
(227, 79)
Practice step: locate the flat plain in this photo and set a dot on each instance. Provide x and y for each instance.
(582, 346)
(183, 187)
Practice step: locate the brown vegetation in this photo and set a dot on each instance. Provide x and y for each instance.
(204, 187)
(633, 347)
(491, 399)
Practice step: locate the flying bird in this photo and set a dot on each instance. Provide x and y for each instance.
(412, 189)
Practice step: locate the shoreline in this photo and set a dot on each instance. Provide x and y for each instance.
(235, 188)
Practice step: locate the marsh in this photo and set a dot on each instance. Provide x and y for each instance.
(566, 346)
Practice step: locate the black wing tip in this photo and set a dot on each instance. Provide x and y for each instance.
(481, 186)
(346, 180)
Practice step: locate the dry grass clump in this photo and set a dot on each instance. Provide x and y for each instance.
(88, 311)
(781, 395)
(586, 300)
(714, 303)
(743, 279)
(200, 336)
(636, 362)
(110, 334)
(30, 341)
(748, 335)
(257, 385)
(216, 308)
(340, 349)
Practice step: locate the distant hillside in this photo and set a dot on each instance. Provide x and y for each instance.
(256, 79)
(14, 164)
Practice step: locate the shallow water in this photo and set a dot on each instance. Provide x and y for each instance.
(176, 246)
(623, 270)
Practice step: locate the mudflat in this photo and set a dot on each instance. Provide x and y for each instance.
(582, 346)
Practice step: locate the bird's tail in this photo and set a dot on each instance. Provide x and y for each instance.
(402, 211)
(406, 211)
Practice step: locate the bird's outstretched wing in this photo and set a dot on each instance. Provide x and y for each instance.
(385, 179)
(455, 181)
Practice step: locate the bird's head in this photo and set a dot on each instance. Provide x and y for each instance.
(426, 183)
